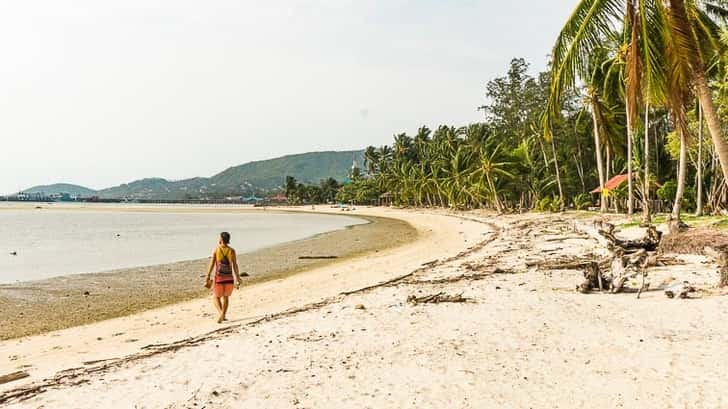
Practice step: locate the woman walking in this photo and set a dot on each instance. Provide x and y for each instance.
(227, 275)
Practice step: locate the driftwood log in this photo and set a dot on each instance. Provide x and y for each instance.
(649, 242)
(630, 259)
(13, 376)
(593, 279)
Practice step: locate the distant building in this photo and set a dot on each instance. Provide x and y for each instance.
(279, 198)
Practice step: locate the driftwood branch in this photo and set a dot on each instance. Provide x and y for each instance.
(435, 298)
(13, 377)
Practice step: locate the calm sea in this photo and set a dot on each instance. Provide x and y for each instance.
(58, 241)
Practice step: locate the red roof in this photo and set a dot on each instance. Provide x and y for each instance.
(612, 183)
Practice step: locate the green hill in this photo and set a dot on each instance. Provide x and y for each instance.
(58, 188)
(258, 176)
(305, 167)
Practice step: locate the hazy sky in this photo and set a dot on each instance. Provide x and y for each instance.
(103, 92)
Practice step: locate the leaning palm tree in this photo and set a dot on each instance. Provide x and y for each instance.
(696, 39)
(667, 40)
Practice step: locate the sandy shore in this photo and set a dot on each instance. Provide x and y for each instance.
(523, 339)
(46, 305)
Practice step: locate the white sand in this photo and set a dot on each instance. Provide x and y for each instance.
(526, 339)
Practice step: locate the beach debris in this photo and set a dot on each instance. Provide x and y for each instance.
(679, 290)
(701, 241)
(649, 242)
(13, 377)
(316, 257)
(312, 336)
(436, 298)
(568, 263)
(86, 293)
(630, 259)
(244, 274)
(360, 307)
(13, 253)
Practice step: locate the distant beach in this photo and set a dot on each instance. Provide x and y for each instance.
(60, 302)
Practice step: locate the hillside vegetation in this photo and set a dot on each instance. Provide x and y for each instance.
(58, 188)
(259, 177)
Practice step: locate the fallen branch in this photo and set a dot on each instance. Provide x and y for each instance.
(13, 377)
(436, 298)
(448, 280)
(317, 257)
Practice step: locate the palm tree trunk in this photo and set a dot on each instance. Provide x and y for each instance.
(711, 118)
(543, 152)
(630, 187)
(646, 218)
(558, 173)
(677, 206)
(600, 165)
(699, 201)
(608, 170)
(705, 97)
(493, 192)
(657, 158)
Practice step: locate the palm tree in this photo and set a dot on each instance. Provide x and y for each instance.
(697, 37)
(667, 42)
(371, 159)
(491, 164)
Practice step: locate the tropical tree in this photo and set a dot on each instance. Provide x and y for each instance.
(665, 47)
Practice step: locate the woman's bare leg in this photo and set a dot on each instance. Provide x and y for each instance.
(218, 307)
(225, 304)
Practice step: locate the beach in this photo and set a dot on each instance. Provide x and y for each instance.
(60, 302)
(353, 334)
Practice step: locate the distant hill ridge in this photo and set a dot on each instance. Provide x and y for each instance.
(58, 188)
(257, 176)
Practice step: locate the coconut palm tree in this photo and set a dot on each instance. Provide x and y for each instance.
(371, 159)
(666, 42)
(491, 165)
(696, 39)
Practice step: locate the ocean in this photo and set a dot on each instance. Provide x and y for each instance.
(60, 240)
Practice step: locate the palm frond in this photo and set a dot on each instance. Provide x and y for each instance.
(585, 30)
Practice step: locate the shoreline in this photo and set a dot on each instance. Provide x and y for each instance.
(37, 307)
(46, 356)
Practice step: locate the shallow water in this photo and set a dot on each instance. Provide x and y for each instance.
(52, 242)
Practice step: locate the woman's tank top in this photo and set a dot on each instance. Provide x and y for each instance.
(223, 257)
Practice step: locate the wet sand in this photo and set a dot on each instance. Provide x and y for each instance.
(40, 306)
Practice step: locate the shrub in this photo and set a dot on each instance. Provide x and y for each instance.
(544, 204)
(556, 204)
(582, 201)
(667, 190)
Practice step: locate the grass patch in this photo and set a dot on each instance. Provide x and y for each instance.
(720, 222)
